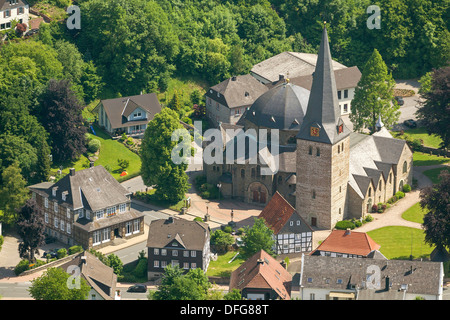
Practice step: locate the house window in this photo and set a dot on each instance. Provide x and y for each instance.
(46, 217)
(156, 251)
(318, 152)
(379, 186)
(370, 192)
(345, 107)
(310, 150)
(106, 235)
(137, 226)
(193, 265)
(345, 93)
(291, 223)
(405, 167)
(339, 149)
(80, 213)
(253, 172)
(163, 264)
(62, 225)
(175, 253)
(314, 194)
(88, 214)
(163, 252)
(193, 254)
(7, 13)
(390, 177)
(69, 231)
(55, 206)
(96, 238)
(122, 207)
(20, 10)
(186, 265)
(46, 202)
(99, 214)
(242, 173)
(156, 264)
(186, 254)
(111, 211)
(339, 94)
(56, 223)
(128, 228)
(68, 213)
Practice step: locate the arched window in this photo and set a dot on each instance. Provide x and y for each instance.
(379, 185)
(405, 167)
(339, 149)
(370, 192)
(342, 148)
(242, 173)
(318, 152)
(310, 150)
(314, 194)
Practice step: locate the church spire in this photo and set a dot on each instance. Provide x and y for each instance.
(322, 122)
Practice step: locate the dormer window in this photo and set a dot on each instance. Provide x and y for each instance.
(54, 191)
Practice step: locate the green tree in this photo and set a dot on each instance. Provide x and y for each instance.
(13, 193)
(115, 263)
(256, 238)
(175, 103)
(221, 240)
(158, 168)
(53, 285)
(234, 294)
(374, 96)
(31, 229)
(434, 111)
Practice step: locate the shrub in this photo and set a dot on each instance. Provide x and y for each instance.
(198, 219)
(358, 223)
(22, 266)
(392, 200)
(94, 145)
(199, 181)
(344, 225)
(227, 229)
(368, 218)
(416, 144)
(374, 208)
(399, 194)
(130, 141)
(61, 253)
(406, 188)
(123, 137)
(141, 269)
(75, 249)
(1, 242)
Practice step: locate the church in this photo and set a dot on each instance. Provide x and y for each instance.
(325, 171)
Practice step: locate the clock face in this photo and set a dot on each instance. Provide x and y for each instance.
(314, 132)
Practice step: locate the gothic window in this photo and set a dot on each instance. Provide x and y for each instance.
(318, 152)
(370, 192)
(339, 149)
(314, 194)
(390, 177)
(310, 150)
(258, 171)
(405, 167)
(379, 186)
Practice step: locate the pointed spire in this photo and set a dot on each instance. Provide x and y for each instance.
(379, 124)
(322, 122)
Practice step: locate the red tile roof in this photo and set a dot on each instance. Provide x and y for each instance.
(262, 271)
(352, 242)
(277, 212)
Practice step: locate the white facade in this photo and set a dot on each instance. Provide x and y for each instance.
(13, 10)
(345, 97)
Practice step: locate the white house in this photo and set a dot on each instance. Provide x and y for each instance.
(13, 10)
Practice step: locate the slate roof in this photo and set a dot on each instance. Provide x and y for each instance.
(192, 235)
(92, 188)
(278, 212)
(345, 78)
(268, 274)
(295, 63)
(98, 275)
(348, 242)
(323, 110)
(119, 109)
(425, 278)
(237, 91)
(4, 4)
(282, 107)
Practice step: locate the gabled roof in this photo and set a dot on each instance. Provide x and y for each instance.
(4, 4)
(93, 188)
(98, 275)
(323, 110)
(261, 271)
(192, 235)
(237, 91)
(348, 242)
(119, 109)
(278, 212)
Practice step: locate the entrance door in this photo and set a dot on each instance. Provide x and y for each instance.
(255, 196)
(262, 197)
(116, 233)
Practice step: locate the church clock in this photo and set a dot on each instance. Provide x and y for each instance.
(314, 132)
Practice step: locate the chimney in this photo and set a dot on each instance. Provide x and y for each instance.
(170, 220)
(83, 259)
(72, 171)
(388, 284)
(347, 232)
(233, 78)
(91, 164)
(260, 261)
(280, 77)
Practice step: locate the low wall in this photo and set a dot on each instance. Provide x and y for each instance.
(49, 265)
(219, 280)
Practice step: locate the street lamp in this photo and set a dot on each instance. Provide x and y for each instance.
(219, 186)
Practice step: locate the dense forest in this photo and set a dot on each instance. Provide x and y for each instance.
(126, 47)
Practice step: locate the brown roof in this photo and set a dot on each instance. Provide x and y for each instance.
(277, 212)
(261, 271)
(98, 275)
(119, 108)
(4, 4)
(191, 235)
(348, 242)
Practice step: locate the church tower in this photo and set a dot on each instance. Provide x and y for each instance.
(323, 149)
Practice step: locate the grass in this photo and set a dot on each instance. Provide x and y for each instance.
(149, 198)
(221, 267)
(424, 159)
(433, 174)
(110, 151)
(184, 87)
(414, 213)
(431, 141)
(400, 242)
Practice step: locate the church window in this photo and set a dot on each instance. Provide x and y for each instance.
(242, 173)
(258, 171)
(342, 148)
(318, 152)
(405, 167)
(339, 149)
(310, 150)
(370, 192)
(253, 172)
(314, 194)
(379, 186)
(390, 177)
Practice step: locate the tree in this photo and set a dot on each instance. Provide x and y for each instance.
(53, 285)
(258, 237)
(374, 96)
(115, 263)
(13, 193)
(175, 103)
(158, 169)
(435, 111)
(221, 240)
(234, 294)
(435, 201)
(123, 164)
(61, 116)
(31, 229)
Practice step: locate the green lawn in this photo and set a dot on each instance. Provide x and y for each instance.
(221, 267)
(433, 174)
(431, 141)
(110, 151)
(396, 242)
(414, 213)
(424, 159)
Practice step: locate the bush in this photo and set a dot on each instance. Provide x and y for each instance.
(368, 218)
(75, 249)
(406, 188)
(141, 269)
(416, 144)
(344, 225)
(198, 219)
(227, 229)
(1, 242)
(392, 200)
(94, 145)
(22, 266)
(358, 223)
(61, 253)
(374, 208)
(123, 137)
(130, 141)
(399, 194)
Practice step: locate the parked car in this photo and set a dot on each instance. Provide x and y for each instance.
(410, 123)
(53, 253)
(138, 288)
(399, 100)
